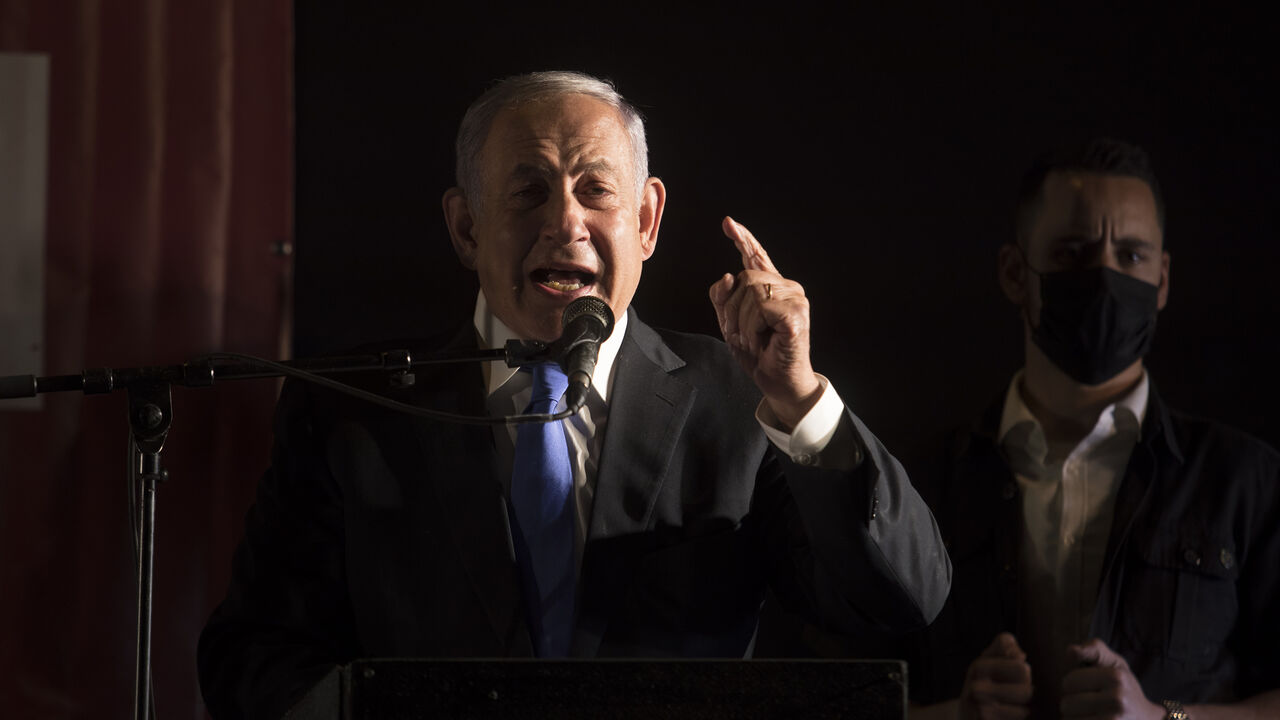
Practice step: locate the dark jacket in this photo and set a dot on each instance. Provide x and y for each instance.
(377, 534)
(1190, 591)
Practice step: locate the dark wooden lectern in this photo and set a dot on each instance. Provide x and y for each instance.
(648, 689)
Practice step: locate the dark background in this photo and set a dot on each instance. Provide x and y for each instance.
(875, 152)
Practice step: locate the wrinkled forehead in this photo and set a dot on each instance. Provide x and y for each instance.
(563, 133)
(1091, 204)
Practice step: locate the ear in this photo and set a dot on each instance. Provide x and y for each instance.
(1162, 295)
(457, 215)
(1011, 271)
(652, 201)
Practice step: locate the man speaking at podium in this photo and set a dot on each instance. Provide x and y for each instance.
(647, 525)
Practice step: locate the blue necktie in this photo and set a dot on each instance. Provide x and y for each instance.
(542, 501)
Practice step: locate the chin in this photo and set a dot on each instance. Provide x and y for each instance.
(545, 329)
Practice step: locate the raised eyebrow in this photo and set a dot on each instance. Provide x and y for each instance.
(532, 171)
(596, 166)
(528, 171)
(1074, 238)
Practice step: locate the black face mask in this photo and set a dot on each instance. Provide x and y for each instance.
(1095, 322)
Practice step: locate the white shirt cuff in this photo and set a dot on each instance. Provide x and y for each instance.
(810, 436)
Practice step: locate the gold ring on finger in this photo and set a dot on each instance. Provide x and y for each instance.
(768, 291)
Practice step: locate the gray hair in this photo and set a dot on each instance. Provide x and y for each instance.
(519, 89)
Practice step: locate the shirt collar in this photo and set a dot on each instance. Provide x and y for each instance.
(1130, 410)
(494, 333)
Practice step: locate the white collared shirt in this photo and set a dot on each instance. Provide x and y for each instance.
(1068, 498)
(509, 391)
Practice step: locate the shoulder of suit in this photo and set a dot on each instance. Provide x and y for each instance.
(694, 342)
(701, 352)
(702, 361)
(1198, 435)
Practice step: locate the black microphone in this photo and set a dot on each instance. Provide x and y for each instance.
(587, 322)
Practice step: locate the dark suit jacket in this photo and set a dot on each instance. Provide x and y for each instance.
(376, 534)
(1189, 589)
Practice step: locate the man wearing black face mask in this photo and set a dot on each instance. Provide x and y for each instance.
(1112, 558)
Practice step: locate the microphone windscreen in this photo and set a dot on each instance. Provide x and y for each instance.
(589, 306)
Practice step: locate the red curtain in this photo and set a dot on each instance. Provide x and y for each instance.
(168, 223)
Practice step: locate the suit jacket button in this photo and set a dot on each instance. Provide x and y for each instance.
(1192, 557)
(1008, 491)
(1226, 558)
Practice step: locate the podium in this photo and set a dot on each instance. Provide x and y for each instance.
(625, 689)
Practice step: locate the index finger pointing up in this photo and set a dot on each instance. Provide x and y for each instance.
(753, 255)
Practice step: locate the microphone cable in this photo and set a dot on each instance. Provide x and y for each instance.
(387, 402)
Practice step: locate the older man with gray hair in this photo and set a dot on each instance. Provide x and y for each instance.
(650, 523)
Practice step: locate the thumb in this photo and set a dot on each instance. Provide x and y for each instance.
(1095, 652)
(721, 289)
(1004, 645)
(720, 292)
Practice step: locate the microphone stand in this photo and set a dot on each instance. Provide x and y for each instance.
(151, 414)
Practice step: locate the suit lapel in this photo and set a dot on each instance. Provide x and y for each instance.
(464, 473)
(648, 407)
(647, 410)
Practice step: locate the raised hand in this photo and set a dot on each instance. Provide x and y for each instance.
(764, 318)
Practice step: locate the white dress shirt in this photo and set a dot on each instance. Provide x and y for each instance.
(509, 391)
(1068, 498)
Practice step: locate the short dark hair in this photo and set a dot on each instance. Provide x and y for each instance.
(1101, 155)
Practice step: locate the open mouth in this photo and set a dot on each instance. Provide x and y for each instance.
(563, 280)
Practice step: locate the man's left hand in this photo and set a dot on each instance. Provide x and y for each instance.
(1104, 687)
(764, 318)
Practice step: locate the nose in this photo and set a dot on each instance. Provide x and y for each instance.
(1111, 255)
(566, 219)
(1102, 253)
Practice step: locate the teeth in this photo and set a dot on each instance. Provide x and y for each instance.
(562, 287)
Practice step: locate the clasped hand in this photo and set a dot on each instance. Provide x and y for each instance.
(998, 685)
